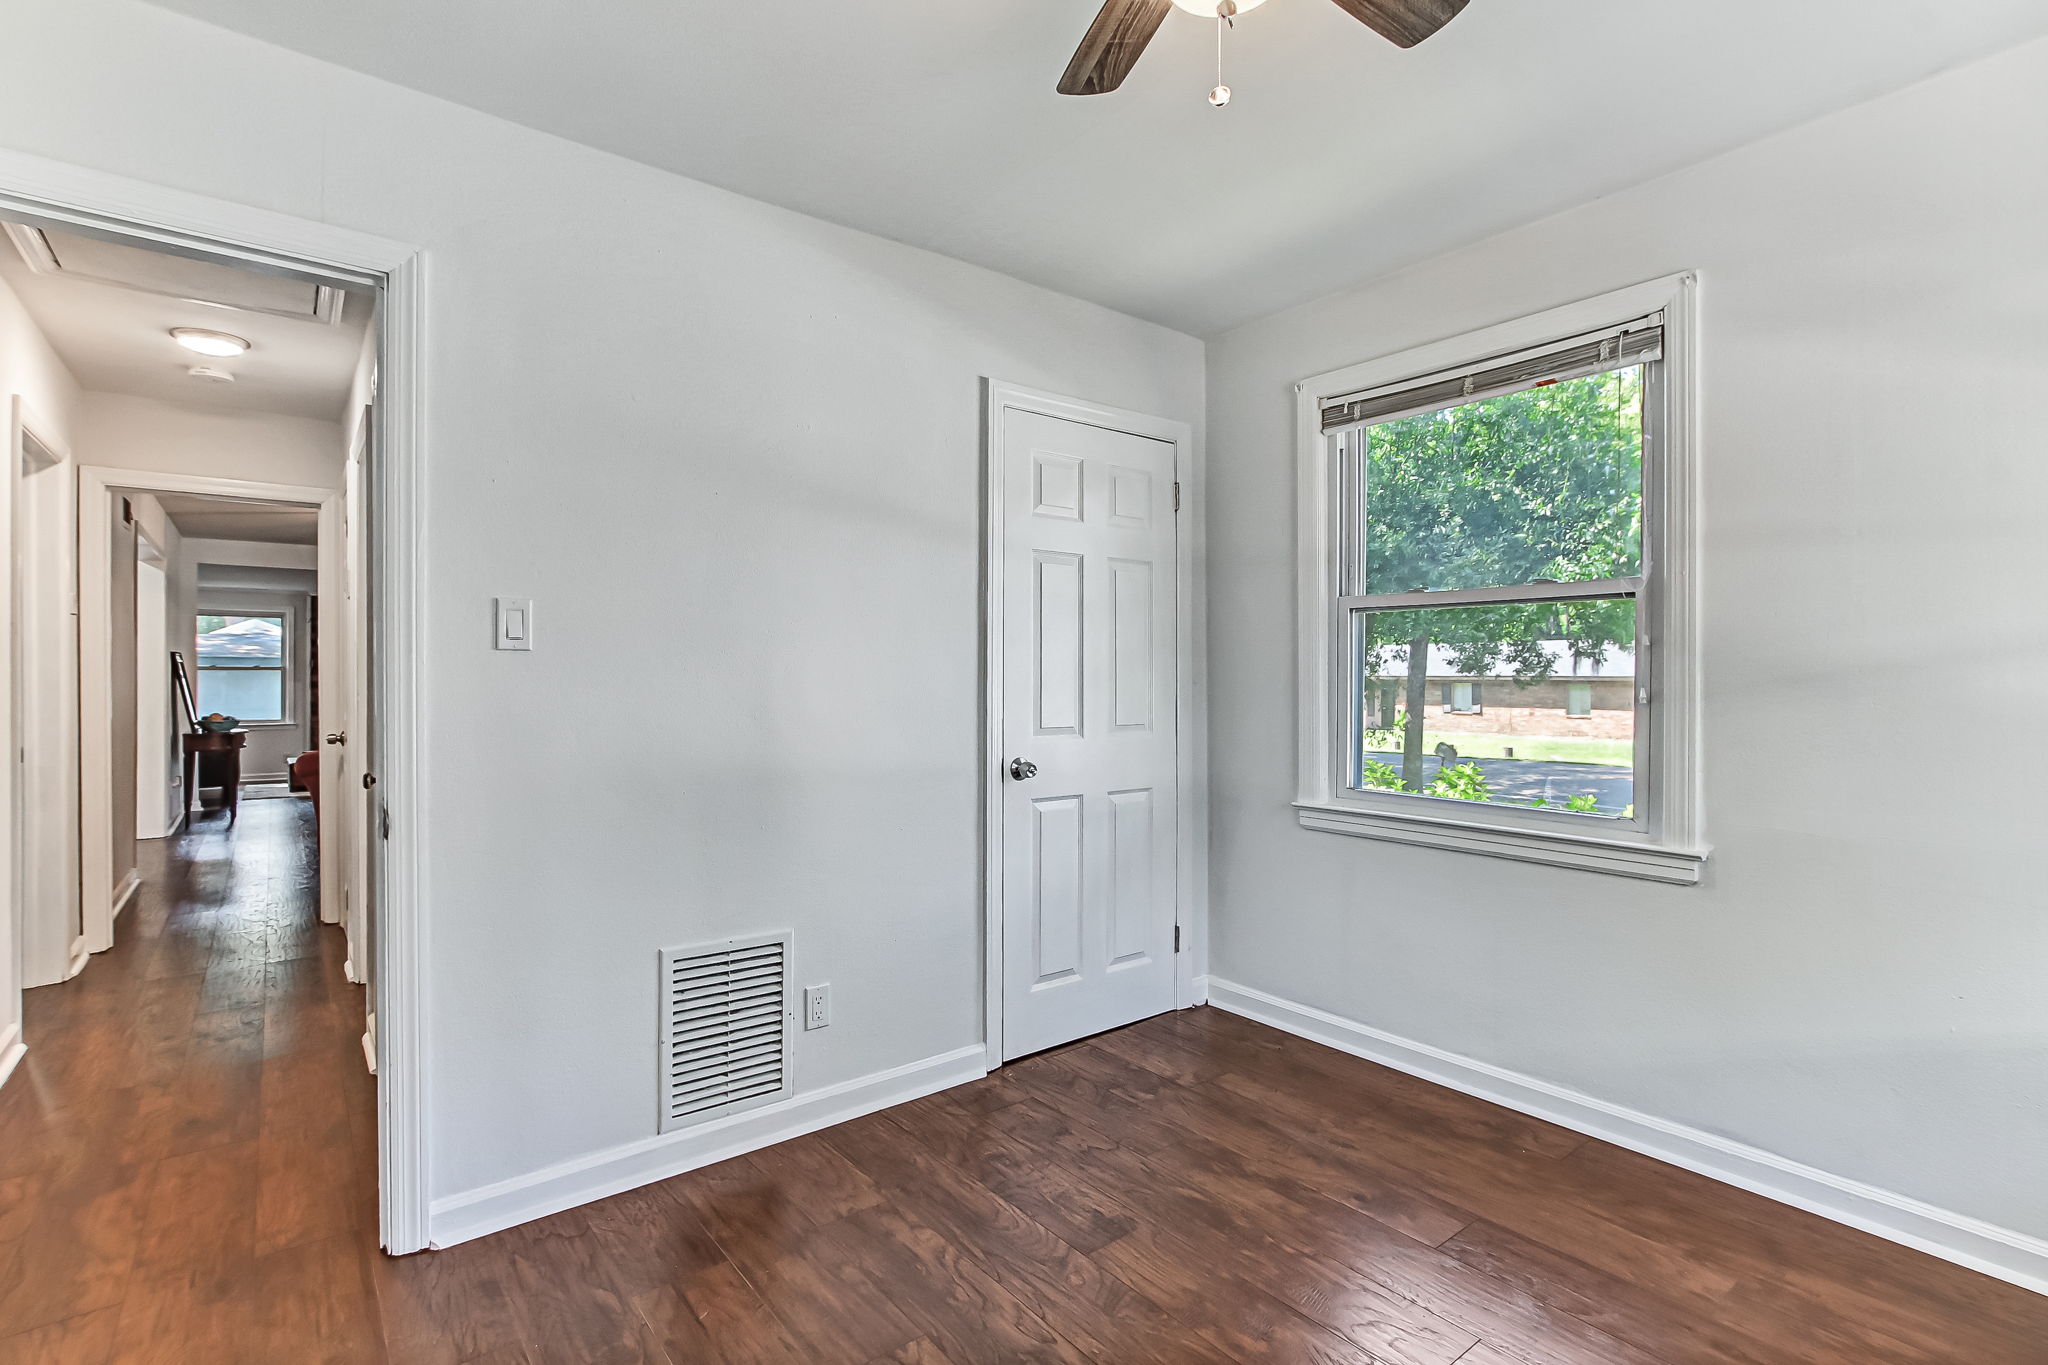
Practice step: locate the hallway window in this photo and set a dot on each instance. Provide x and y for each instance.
(242, 666)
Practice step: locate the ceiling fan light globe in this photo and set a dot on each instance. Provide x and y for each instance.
(1210, 9)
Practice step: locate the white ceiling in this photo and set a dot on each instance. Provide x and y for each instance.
(935, 121)
(117, 340)
(272, 523)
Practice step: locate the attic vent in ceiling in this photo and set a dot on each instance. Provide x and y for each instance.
(726, 1027)
(47, 251)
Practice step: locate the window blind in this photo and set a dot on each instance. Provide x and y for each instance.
(1615, 348)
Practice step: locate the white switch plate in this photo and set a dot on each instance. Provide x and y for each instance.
(514, 619)
(818, 1006)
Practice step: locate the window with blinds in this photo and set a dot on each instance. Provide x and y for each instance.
(1491, 541)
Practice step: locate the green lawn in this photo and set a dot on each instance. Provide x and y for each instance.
(1615, 753)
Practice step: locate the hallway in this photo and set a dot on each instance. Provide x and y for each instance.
(188, 1151)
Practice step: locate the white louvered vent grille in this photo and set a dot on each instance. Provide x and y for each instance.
(726, 1027)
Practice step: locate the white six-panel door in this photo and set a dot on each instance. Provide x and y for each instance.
(1089, 785)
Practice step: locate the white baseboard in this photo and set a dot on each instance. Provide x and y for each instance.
(493, 1208)
(12, 1049)
(2009, 1255)
(130, 884)
(80, 955)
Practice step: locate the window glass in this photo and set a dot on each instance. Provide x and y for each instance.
(241, 666)
(1545, 484)
(246, 694)
(1526, 745)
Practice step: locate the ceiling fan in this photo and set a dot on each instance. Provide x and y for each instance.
(1118, 36)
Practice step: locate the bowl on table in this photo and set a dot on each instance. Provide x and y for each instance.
(218, 725)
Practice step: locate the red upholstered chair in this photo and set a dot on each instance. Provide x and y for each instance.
(306, 776)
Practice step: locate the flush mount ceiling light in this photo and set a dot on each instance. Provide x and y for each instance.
(1118, 36)
(209, 343)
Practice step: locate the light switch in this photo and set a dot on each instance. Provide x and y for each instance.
(515, 623)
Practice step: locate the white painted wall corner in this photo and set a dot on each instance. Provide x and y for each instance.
(508, 1203)
(1972, 1242)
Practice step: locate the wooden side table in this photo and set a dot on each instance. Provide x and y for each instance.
(218, 755)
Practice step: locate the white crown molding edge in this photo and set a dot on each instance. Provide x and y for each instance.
(2003, 1253)
(493, 1208)
(141, 208)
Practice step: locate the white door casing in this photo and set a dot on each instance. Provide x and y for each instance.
(56, 191)
(1089, 768)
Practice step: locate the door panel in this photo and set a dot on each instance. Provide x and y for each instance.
(1088, 683)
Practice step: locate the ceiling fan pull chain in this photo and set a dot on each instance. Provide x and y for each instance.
(1220, 96)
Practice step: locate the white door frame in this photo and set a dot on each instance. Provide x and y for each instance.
(178, 219)
(37, 825)
(96, 796)
(1191, 902)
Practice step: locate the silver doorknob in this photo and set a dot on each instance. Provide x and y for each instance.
(1023, 769)
(338, 737)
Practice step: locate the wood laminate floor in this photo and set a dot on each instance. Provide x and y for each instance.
(186, 1176)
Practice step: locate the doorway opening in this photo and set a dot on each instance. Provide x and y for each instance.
(196, 810)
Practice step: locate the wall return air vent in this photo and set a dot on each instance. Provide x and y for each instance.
(727, 1027)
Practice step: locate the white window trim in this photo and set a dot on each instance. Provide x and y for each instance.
(1668, 844)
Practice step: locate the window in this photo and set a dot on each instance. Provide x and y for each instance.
(242, 666)
(1461, 698)
(1502, 518)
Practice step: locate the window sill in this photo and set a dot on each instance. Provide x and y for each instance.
(1649, 862)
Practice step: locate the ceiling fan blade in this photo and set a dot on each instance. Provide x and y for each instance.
(1402, 22)
(1114, 43)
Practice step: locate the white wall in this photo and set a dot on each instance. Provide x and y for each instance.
(163, 438)
(1859, 982)
(734, 455)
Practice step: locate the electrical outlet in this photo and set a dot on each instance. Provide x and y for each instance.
(818, 1006)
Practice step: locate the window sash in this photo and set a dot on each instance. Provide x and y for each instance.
(284, 697)
(283, 666)
(1349, 507)
(1350, 692)
(1513, 594)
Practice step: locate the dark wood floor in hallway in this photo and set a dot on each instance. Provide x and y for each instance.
(186, 1176)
